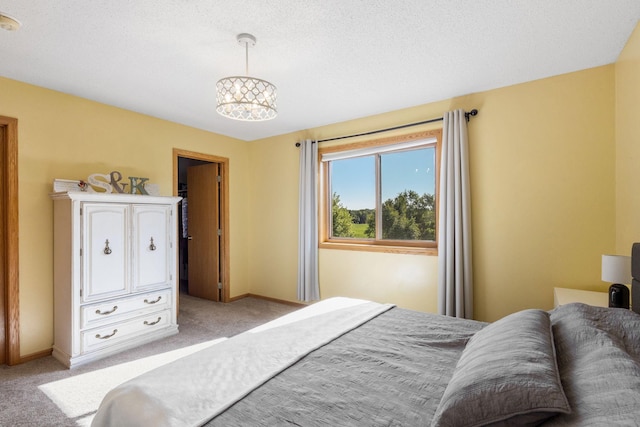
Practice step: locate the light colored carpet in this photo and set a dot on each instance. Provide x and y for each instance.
(44, 393)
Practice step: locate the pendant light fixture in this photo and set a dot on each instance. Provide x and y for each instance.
(243, 97)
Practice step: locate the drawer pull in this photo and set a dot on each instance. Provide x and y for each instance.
(152, 247)
(152, 302)
(106, 336)
(152, 323)
(107, 249)
(115, 307)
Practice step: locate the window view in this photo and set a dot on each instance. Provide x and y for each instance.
(382, 194)
(353, 197)
(408, 190)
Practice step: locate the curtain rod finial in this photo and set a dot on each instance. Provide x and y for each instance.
(468, 115)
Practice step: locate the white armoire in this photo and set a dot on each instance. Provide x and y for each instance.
(114, 273)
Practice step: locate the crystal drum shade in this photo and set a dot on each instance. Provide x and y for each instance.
(246, 98)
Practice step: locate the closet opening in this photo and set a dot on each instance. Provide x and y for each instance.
(203, 237)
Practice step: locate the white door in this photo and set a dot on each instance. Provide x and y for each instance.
(105, 252)
(151, 246)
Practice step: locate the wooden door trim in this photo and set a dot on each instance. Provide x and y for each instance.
(225, 267)
(9, 227)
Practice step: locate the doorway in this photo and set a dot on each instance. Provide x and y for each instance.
(9, 306)
(202, 180)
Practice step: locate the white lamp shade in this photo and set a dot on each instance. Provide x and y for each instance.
(616, 269)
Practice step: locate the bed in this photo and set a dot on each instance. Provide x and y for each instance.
(345, 362)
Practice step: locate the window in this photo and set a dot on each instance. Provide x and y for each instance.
(381, 195)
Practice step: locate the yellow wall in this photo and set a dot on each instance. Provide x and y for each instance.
(542, 177)
(628, 145)
(62, 136)
(543, 170)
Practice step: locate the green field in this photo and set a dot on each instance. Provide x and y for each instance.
(359, 230)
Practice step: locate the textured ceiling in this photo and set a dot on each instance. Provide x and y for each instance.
(332, 60)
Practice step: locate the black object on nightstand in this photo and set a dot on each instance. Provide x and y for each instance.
(619, 296)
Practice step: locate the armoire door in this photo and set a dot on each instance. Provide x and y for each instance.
(151, 246)
(105, 252)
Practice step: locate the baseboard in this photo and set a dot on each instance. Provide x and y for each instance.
(239, 297)
(34, 356)
(281, 301)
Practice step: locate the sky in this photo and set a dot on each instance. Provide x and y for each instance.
(354, 179)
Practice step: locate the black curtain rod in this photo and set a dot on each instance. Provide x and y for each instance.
(467, 116)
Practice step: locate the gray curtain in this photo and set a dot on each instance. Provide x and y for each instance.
(308, 287)
(455, 278)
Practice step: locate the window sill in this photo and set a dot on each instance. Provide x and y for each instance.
(379, 248)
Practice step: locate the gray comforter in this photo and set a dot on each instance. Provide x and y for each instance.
(394, 370)
(599, 361)
(576, 365)
(390, 371)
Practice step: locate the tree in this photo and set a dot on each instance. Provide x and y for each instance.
(360, 216)
(409, 217)
(340, 218)
(371, 222)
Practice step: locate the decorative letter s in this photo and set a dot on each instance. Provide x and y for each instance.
(94, 181)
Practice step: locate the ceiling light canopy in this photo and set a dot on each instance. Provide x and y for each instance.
(243, 97)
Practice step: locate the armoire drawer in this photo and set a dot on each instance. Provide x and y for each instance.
(94, 339)
(118, 309)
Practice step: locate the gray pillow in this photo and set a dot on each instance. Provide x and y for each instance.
(506, 375)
